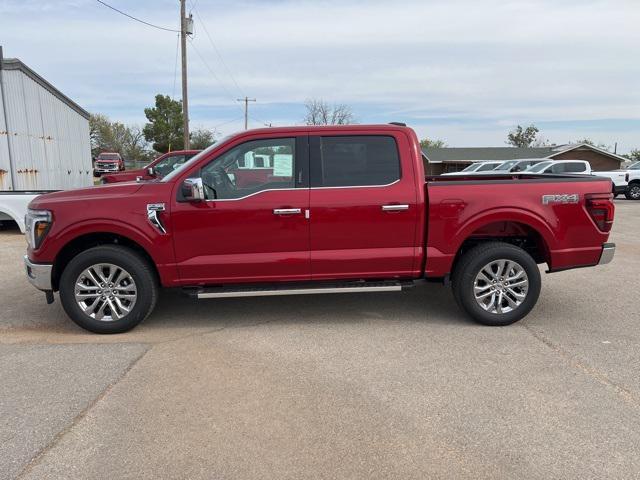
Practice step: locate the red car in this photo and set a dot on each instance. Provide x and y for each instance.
(332, 209)
(160, 167)
(107, 162)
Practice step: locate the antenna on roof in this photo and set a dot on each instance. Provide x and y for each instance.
(399, 124)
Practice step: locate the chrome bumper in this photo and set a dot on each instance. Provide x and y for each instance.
(608, 250)
(39, 274)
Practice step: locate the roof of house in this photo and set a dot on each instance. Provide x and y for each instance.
(582, 146)
(475, 154)
(16, 64)
(437, 155)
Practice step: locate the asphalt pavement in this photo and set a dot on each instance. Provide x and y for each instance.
(391, 385)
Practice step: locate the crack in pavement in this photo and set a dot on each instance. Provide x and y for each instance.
(602, 378)
(27, 468)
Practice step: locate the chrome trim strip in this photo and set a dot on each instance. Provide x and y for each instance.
(394, 208)
(152, 215)
(297, 189)
(287, 211)
(38, 274)
(608, 251)
(299, 291)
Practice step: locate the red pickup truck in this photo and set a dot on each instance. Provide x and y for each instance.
(160, 167)
(107, 162)
(344, 209)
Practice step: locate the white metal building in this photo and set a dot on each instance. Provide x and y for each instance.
(44, 135)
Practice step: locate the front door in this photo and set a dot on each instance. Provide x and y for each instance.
(253, 226)
(364, 207)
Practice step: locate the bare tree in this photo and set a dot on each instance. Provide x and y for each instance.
(319, 112)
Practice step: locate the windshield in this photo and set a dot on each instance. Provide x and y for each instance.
(538, 167)
(635, 166)
(194, 159)
(506, 165)
(108, 156)
(487, 166)
(472, 168)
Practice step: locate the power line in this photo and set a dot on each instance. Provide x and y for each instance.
(175, 68)
(214, 75)
(213, 44)
(136, 19)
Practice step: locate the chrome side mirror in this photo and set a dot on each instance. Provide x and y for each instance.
(151, 172)
(193, 190)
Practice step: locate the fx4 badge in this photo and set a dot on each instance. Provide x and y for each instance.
(563, 198)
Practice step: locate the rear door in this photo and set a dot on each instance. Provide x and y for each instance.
(363, 206)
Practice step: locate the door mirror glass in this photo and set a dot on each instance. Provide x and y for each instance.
(193, 190)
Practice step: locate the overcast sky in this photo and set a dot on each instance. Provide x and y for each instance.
(465, 71)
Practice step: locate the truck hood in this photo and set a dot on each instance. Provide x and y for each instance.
(101, 192)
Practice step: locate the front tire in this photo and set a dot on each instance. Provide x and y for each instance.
(633, 192)
(108, 289)
(496, 283)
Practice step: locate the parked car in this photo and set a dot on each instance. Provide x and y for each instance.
(476, 167)
(513, 166)
(625, 181)
(107, 162)
(561, 166)
(158, 168)
(346, 209)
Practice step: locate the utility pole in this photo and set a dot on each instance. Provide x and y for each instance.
(246, 101)
(186, 28)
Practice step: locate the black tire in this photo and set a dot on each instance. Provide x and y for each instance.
(633, 191)
(122, 257)
(469, 266)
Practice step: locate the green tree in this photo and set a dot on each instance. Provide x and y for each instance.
(128, 141)
(522, 137)
(164, 129)
(201, 139)
(429, 143)
(633, 155)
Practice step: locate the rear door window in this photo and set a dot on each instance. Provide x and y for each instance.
(575, 167)
(356, 161)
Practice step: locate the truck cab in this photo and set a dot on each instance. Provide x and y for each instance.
(158, 168)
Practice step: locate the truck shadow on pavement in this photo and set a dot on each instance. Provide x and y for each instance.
(431, 303)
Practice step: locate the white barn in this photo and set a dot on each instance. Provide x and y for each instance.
(44, 135)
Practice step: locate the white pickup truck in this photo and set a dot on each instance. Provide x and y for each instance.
(13, 206)
(625, 181)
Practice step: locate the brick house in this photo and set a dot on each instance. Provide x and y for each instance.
(443, 160)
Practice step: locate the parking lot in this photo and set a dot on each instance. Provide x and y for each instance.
(393, 385)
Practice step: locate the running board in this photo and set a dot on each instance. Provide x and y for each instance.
(257, 291)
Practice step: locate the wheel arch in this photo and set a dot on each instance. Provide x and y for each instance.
(522, 229)
(89, 240)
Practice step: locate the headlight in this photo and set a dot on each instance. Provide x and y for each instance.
(37, 224)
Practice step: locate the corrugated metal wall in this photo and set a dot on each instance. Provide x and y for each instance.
(48, 140)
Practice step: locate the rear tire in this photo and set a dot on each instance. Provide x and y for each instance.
(633, 192)
(108, 289)
(496, 283)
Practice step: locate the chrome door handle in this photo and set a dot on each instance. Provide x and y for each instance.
(286, 211)
(394, 208)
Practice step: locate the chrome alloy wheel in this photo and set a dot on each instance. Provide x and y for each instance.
(634, 191)
(501, 286)
(105, 292)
